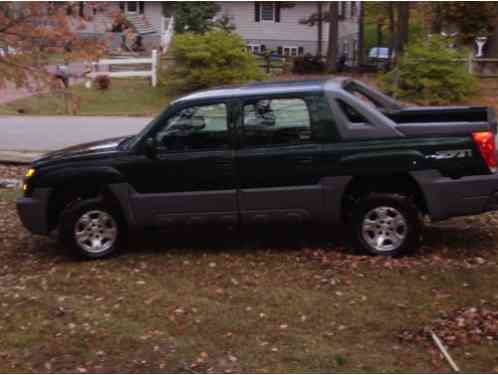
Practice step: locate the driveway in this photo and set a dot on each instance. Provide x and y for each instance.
(24, 137)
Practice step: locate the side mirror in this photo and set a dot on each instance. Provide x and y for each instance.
(150, 148)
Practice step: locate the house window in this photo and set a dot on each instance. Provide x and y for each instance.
(267, 11)
(254, 48)
(290, 51)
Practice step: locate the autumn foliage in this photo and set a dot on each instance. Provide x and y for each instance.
(29, 33)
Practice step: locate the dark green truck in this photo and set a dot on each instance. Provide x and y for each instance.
(332, 151)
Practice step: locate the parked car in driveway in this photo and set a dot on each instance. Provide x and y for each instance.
(379, 56)
(330, 151)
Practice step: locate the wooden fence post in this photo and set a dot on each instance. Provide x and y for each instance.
(470, 63)
(154, 68)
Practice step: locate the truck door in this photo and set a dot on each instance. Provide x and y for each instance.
(276, 160)
(192, 176)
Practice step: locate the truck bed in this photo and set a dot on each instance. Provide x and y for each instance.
(422, 121)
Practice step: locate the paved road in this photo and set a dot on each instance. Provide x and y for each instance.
(45, 133)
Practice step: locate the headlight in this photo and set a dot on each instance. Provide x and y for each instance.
(30, 173)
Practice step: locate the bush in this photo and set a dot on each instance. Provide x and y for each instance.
(211, 59)
(102, 82)
(308, 64)
(428, 74)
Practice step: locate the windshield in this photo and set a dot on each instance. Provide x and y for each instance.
(130, 143)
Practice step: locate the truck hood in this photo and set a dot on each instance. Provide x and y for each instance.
(85, 150)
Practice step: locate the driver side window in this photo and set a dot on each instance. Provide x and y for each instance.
(195, 128)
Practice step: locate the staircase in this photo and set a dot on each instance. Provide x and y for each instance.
(140, 23)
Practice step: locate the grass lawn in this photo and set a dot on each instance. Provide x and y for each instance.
(128, 97)
(270, 300)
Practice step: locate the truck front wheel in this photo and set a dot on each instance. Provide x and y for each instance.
(91, 228)
(386, 224)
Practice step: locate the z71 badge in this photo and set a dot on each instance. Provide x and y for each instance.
(451, 154)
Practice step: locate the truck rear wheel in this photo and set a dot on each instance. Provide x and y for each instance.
(386, 224)
(92, 229)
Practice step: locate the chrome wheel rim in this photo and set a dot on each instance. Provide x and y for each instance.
(384, 228)
(95, 231)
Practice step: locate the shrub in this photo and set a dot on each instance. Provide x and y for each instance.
(102, 82)
(428, 74)
(308, 64)
(211, 59)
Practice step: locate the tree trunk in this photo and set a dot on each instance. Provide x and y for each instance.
(437, 18)
(403, 22)
(392, 33)
(361, 44)
(320, 27)
(333, 34)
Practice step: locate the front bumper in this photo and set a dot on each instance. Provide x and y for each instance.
(33, 211)
(446, 197)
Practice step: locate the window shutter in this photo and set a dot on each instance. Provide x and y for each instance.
(277, 11)
(257, 11)
(300, 51)
(280, 50)
(141, 7)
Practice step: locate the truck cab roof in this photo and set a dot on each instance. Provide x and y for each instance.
(268, 88)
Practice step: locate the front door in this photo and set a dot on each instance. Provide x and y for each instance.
(277, 161)
(192, 177)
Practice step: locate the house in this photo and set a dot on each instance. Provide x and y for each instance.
(276, 26)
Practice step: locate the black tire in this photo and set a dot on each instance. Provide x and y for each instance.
(73, 220)
(376, 217)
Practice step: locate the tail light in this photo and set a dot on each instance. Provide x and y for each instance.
(485, 142)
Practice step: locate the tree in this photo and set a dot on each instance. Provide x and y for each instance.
(194, 16)
(319, 21)
(224, 23)
(29, 32)
(333, 34)
(211, 59)
(429, 72)
(361, 35)
(403, 22)
(392, 26)
(332, 17)
(469, 19)
(398, 15)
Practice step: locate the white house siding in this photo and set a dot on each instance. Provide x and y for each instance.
(289, 31)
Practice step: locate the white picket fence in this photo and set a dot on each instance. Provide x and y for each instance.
(152, 73)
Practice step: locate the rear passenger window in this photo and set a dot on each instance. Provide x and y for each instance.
(352, 114)
(276, 122)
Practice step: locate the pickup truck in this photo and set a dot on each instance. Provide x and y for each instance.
(294, 151)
